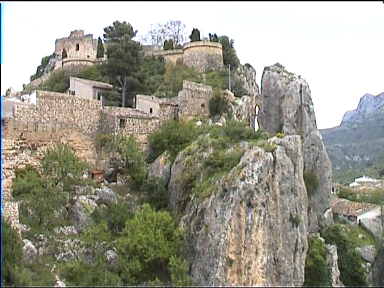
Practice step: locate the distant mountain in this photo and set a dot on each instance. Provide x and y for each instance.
(356, 147)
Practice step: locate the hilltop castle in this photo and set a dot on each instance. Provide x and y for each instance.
(79, 49)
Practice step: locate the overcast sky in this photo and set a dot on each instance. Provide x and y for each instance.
(338, 47)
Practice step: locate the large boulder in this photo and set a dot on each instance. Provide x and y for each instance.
(161, 168)
(106, 196)
(367, 252)
(252, 229)
(286, 107)
(29, 252)
(80, 212)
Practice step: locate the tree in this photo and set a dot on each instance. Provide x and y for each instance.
(100, 48)
(119, 31)
(195, 35)
(123, 58)
(213, 37)
(149, 240)
(168, 44)
(172, 29)
(229, 52)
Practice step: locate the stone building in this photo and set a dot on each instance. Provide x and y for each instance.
(201, 55)
(77, 49)
(88, 89)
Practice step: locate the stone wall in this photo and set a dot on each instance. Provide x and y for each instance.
(55, 107)
(25, 144)
(194, 100)
(170, 56)
(129, 122)
(203, 55)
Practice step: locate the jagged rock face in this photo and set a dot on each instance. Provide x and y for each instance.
(244, 109)
(287, 107)
(247, 76)
(253, 229)
(161, 168)
(368, 104)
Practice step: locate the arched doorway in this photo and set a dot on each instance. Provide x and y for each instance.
(64, 54)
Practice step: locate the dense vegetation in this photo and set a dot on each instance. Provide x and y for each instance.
(316, 267)
(346, 238)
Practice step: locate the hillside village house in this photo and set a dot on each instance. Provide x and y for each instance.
(365, 181)
(354, 211)
(88, 89)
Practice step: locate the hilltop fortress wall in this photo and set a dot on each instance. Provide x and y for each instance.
(201, 55)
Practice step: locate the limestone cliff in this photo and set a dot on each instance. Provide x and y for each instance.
(287, 107)
(252, 230)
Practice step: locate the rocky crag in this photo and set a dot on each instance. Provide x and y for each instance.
(287, 108)
(251, 228)
(356, 145)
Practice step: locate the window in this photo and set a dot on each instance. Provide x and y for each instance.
(202, 105)
(77, 47)
(122, 123)
(150, 110)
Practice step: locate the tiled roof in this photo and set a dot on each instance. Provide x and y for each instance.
(350, 208)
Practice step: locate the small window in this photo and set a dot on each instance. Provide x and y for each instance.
(77, 47)
(122, 123)
(202, 105)
(150, 110)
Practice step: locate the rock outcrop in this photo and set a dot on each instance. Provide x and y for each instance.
(252, 230)
(369, 104)
(333, 267)
(287, 108)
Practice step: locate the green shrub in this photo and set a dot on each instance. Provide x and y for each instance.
(173, 137)
(14, 272)
(149, 240)
(58, 81)
(218, 105)
(115, 216)
(155, 193)
(132, 157)
(103, 141)
(316, 268)
(349, 261)
(26, 181)
(62, 165)
(239, 131)
(311, 182)
(173, 78)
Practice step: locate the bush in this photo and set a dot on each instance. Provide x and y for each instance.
(26, 181)
(173, 78)
(13, 271)
(218, 105)
(132, 157)
(149, 241)
(155, 193)
(173, 137)
(350, 262)
(316, 268)
(62, 165)
(311, 182)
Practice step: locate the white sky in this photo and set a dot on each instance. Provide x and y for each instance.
(336, 46)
